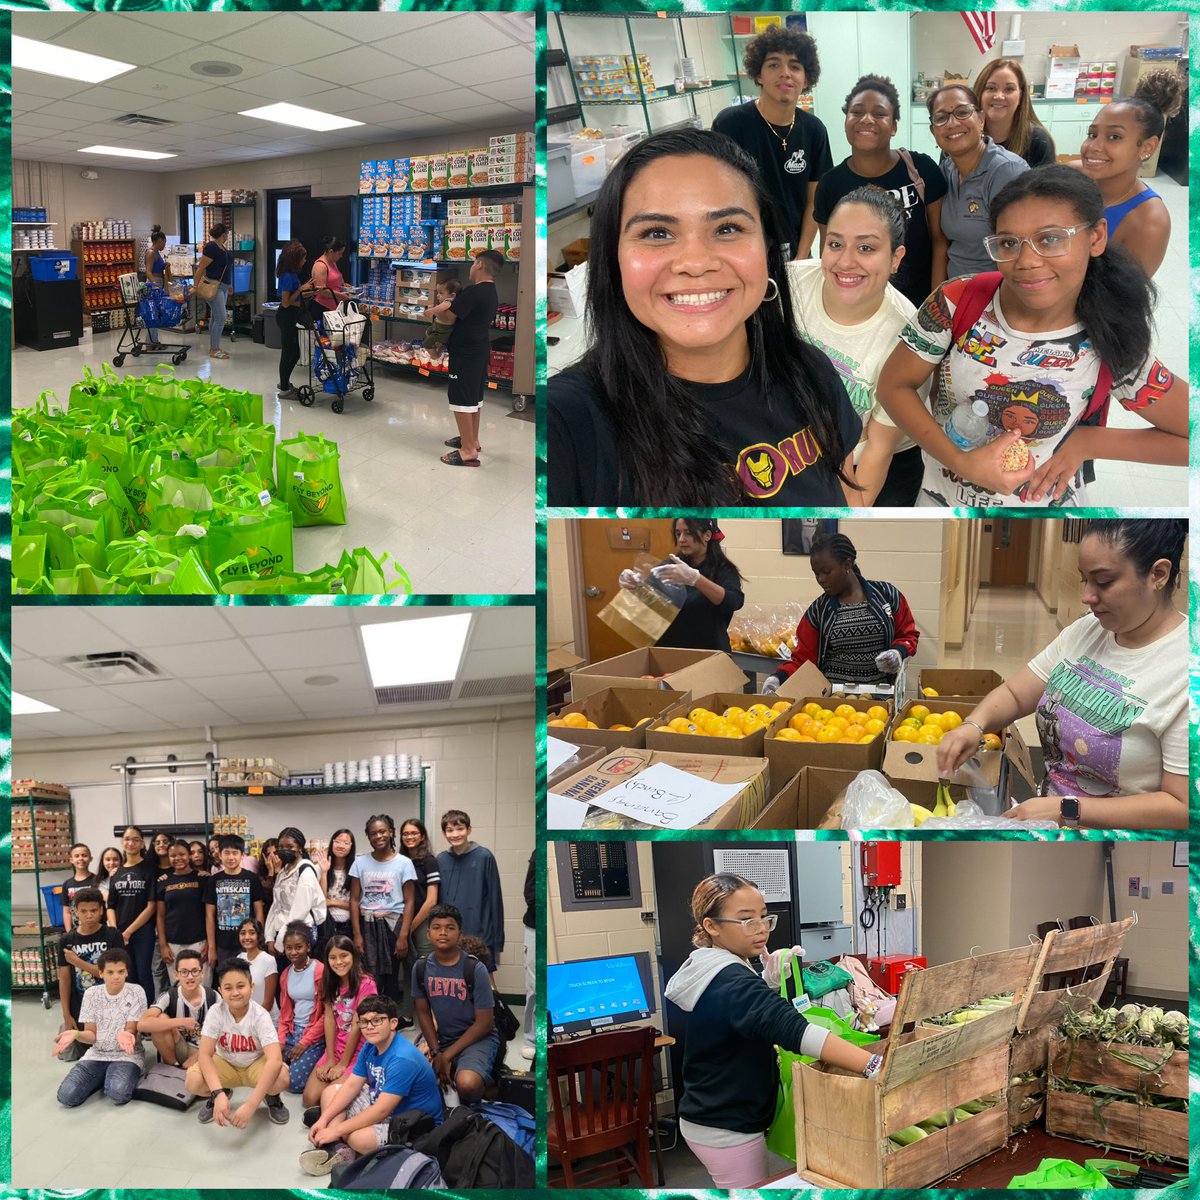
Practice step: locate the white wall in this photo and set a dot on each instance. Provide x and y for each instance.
(484, 766)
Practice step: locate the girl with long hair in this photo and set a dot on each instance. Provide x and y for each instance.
(1044, 344)
(334, 866)
(111, 861)
(344, 984)
(713, 583)
(297, 894)
(132, 907)
(414, 844)
(698, 390)
(290, 314)
(1008, 114)
(264, 970)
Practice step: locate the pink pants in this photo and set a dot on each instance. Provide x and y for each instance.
(743, 1166)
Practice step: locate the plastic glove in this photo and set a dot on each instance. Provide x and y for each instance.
(774, 963)
(630, 579)
(677, 571)
(771, 686)
(889, 661)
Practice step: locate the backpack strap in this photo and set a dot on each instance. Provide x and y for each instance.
(976, 296)
(1097, 409)
(913, 174)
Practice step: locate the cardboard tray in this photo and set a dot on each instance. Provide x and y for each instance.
(805, 799)
(662, 669)
(615, 706)
(787, 758)
(751, 745)
(955, 684)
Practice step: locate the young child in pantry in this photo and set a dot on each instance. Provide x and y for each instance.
(301, 1008)
(439, 331)
(81, 877)
(78, 958)
(470, 880)
(176, 1017)
(344, 986)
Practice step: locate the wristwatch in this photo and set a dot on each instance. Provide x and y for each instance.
(1068, 812)
(220, 1092)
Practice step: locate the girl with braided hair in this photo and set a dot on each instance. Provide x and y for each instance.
(859, 631)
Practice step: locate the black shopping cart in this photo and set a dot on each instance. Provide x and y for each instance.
(339, 358)
(149, 307)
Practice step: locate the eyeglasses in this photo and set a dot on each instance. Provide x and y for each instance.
(750, 924)
(367, 1023)
(1052, 242)
(961, 113)
(187, 972)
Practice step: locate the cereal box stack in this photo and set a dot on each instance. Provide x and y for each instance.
(510, 158)
(475, 224)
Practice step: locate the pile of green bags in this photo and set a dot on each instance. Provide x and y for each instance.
(154, 485)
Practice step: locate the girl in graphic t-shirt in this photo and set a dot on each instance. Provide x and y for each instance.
(1067, 308)
(343, 985)
(1110, 692)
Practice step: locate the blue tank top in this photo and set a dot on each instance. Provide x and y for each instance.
(1116, 213)
(160, 265)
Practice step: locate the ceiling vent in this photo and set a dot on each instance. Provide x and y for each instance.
(134, 119)
(112, 666)
(213, 69)
(414, 693)
(487, 689)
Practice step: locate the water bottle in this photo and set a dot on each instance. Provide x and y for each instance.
(968, 425)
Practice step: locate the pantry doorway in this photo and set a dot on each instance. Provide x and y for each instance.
(279, 229)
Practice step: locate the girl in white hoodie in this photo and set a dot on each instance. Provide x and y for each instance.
(736, 1021)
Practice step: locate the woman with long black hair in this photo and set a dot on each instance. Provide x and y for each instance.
(698, 389)
(713, 583)
(1045, 344)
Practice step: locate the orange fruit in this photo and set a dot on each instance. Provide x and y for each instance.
(904, 733)
(828, 733)
(591, 725)
(732, 713)
(877, 712)
(643, 721)
(848, 740)
(844, 711)
(556, 721)
(918, 710)
(929, 736)
(752, 725)
(575, 720)
(932, 721)
(804, 737)
(622, 728)
(838, 723)
(825, 713)
(912, 722)
(801, 723)
(781, 706)
(681, 725)
(759, 710)
(991, 741)
(730, 731)
(787, 735)
(930, 692)
(951, 720)
(869, 737)
(874, 726)
(812, 709)
(697, 715)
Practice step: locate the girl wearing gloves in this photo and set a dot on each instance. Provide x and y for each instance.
(297, 894)
(736, 1021)
(714, 587)
(859, 631)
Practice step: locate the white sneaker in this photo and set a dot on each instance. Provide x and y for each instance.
(529, 1052)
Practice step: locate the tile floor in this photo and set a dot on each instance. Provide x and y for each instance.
(1124, 485)
(140, 1145)
(453, 530)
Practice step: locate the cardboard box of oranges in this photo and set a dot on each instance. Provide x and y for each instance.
(844, 733)
(912, 750)
(719, 723)
(612, 718)
(956, 685)
(659, 669)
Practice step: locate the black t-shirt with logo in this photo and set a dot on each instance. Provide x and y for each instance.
(130, 890)
(913, 279)
(787, 173)
(233, 897)
(70, 886)
(769, 445)
(89, 947)
(183, 899)
(474, 309)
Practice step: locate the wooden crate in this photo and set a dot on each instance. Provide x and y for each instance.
(843, 1122)
(1136, 1127)
(1072, 950)
(1029, 1051)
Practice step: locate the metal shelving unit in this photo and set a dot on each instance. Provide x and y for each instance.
(244, 299)
(217, 795)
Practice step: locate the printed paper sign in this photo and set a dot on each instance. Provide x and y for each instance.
(557, 753)
(667, 797)
(563, 812)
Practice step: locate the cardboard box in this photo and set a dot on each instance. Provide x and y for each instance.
(615, 706)
(1062, 72)
(583, 757)
(438, 175)
(456, 242)
(697, 672)
(804, 799)
(512, 243)
(576, 252)
(947, 683)
(560, 658)
(787, 758)
(479, 238)
(607, 772)
(419, 174)
(751, 745)
(914, 768)
(479, 162)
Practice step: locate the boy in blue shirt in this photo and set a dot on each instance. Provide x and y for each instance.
(455, 1008)
(391, 1074)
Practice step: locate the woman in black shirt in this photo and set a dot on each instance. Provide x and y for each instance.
(1008, 115)
(131, 908)
(181, 917)
(698, 389)
(713, 583)
(414, 844)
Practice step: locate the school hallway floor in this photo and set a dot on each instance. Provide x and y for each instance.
(142, 1145)
(454, 530)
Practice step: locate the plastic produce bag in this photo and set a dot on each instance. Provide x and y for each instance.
(309, 482)
(968, 815)
(872, 803)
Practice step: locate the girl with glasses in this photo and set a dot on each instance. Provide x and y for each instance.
(735, 1022)
(1043, 344)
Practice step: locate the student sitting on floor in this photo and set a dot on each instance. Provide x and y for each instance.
(109, 1015)
(455, 1003)
(301, 1010)
(390, 1075)
(175, 1019)
(78, 954)
(238, 1048)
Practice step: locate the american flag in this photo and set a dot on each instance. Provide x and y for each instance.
(983, 29)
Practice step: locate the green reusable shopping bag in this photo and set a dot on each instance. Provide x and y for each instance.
(363, 574)
(237, 581)
(108, 455)
(68, 542)
(220, 463)
(172, 575)
(164, 401)
(173, 500)
(258, 541)
(28, 559)
(244, 408)
(83, 580)
(1060, 1173)
(306, 473)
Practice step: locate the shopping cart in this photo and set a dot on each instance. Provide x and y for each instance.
(339, 359)
(149, 307)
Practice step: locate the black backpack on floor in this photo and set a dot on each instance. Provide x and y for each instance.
(474, 1153)
(388, 1169)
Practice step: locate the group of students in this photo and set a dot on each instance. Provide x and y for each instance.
(727, 367)
(345, 944)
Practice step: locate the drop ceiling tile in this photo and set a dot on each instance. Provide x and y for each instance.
(353, 66)
(255, 686)
(374, 27)
(492, 114)
(326, 702)
(254, 619)
(204, 659)
(203, 26)
(43, 631)
(152, 81)
(150, 694)
(142, 625)
(485, 68)
(289, 41)
(253, 712)
(290, 85)
(450, 102)
(184, 113)
(34, 83)
(141, 721)
(231, 100)
(81, 701)
(284, 651)
(349, 677)
(55, 725)
(381, 114)
(463, 37)
(403, 84)
(44, 27)
(119, 96)
(115, 36)
(518, 88)
(377, 614)
(193, 713)
(25, 124)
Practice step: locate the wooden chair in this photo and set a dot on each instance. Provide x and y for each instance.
(1118, 979)
(601, 1089)
(1059, 979)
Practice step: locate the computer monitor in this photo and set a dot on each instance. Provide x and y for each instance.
(591, 994)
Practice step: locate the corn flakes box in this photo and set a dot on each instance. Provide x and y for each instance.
(459, 168)
(438, 172)
(512, 242)
(419, 174)
(456, 243)
(480, 160)
(479, 237)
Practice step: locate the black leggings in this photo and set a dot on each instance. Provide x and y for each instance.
(289, 338)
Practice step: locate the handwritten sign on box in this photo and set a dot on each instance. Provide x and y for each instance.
(667, 797)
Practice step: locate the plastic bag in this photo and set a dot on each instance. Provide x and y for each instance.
(872, 803)
(968, 815)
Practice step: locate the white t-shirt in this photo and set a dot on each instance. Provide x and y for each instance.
(262, 967)
(1036, 383)
(110, 1015)
(1112, 720)
(240, 1042)
(857, 352)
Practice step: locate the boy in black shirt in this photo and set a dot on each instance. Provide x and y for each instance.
(181, 916)
(790, 146)
(471, 313)
(81, 877)
(175, 1019)
(77, 955)
(230, 896)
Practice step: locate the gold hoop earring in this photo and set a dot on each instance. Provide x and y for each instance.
(767, 299)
